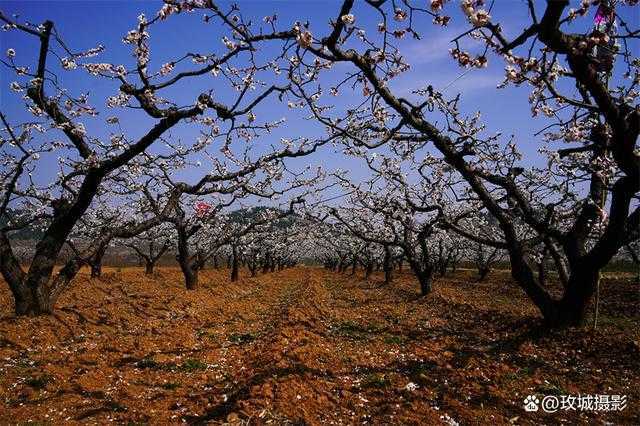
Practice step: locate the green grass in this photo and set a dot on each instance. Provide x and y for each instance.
(392, 339)
(191, 365)
(354, 330)
(523, 372)
(378, 381)
(148, 363)
(419, 371)
(39, 382)
(241, 338)
(551, 389)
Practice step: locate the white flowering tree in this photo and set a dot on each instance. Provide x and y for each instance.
(63, 123)
(583, 207)
(150, 245)
(397, 215)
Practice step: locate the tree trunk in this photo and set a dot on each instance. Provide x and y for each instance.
(148, 270)
(483, 271)
(96, 260)
(96, 269)
(388, 275)
(571, 310)
(424, 273)
(190, 276)
(234, 264)
(387, 266)
(368, 270)
(40, 300)
(187, 266)
(442, 269)
(425, 278)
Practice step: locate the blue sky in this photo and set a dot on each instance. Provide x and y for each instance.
(84, 24)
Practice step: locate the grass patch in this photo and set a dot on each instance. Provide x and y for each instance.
(241, 338)
(191, 365)
(552, 389)
(148, 363)
(39, 382)
(419, 371)
(170, 385)
(378, 381)
(354, 330)
(392, 339)
(523, 372)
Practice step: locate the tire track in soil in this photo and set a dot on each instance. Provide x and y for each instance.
(287, 355)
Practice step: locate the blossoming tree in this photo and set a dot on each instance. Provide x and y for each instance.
(583, 207)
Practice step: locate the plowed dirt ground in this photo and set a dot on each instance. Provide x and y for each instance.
(308, 346)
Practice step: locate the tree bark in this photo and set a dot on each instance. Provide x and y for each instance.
(96, 260)
(571, 309)
(190, 276)
(96, 269)
(187, 266)
(149, 265)
(483, 271)
(368, 270)
(425, 278)
(387, 266)
(234, 264)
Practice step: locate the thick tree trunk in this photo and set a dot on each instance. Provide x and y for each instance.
(96, 269)
(425, 278)
(149, 265)
(423, 271)
(571, 310)
(442, 269)
(190, 276)
(96, 260)
(483, 271)
(388, 275)
(40, 300)
(187, 265)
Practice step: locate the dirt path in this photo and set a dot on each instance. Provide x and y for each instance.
(306, 346)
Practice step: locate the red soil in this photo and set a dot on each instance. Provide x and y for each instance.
(308, 346)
